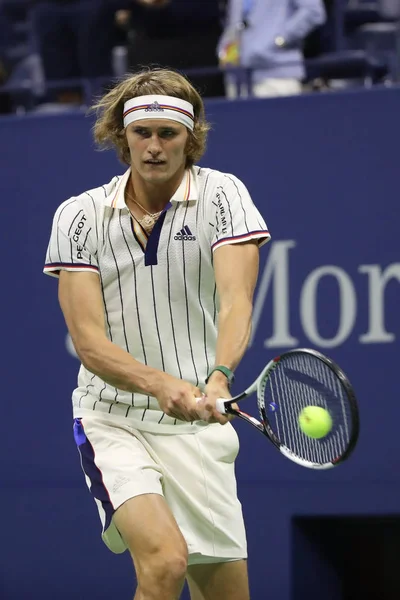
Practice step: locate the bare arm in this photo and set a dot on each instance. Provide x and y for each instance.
(236, 270)
(82, 305)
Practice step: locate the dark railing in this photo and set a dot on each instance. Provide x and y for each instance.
(354, 63)
(339, 63)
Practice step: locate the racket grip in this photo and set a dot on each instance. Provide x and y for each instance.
(220, 405)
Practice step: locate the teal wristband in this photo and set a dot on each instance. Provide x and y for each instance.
(227, 372)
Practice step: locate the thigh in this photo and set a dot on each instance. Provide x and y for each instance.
(148, 528)
(199, 486)
(219, 580)
(117, 467)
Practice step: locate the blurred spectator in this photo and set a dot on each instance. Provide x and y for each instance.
(5, 66)
(268, 35)
(390, 9)
(180, 34)
(75, 39)
(4, 26)
(321, 39)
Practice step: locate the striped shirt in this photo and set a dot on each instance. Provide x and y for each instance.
(159, 291)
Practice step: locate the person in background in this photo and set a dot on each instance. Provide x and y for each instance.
(8, 42)
(267, 36)
(5, 26)
(178, 34)
(74, 39)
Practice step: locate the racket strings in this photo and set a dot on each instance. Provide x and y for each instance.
(301, 380)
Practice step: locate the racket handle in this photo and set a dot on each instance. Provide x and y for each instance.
(220, 405)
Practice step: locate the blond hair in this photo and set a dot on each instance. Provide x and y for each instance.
(109, 131)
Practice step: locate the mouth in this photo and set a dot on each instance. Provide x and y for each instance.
(154, 162)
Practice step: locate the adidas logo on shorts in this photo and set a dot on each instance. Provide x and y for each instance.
(185, 235)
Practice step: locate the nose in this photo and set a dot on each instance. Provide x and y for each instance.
(154, 146)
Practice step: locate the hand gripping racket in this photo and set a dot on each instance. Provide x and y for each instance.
(290, 382)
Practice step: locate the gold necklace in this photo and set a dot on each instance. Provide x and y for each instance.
(149, 219)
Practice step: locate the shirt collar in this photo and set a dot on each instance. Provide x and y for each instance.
(186, 191)
(116, 197)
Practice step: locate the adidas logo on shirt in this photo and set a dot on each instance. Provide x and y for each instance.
(185, 235)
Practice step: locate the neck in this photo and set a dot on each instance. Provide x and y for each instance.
(153, 196)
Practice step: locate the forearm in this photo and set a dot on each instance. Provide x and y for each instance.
(117, 367)
(234, 329)
(302, 22)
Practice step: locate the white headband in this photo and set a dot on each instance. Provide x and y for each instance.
(159, 107)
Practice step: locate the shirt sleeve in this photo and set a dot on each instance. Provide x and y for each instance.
(307, 15)
(73, 244)
(234, 217)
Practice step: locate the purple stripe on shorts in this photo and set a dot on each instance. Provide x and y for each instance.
(89, 467)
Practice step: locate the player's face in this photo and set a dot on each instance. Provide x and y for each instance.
(157, 148)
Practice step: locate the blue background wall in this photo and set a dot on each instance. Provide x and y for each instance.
(324, 172)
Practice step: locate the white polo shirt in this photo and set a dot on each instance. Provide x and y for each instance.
(159, 292)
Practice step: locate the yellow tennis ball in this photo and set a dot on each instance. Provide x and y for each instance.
(315, 422)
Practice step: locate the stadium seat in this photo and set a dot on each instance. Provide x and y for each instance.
(382, 40)
(347, 64)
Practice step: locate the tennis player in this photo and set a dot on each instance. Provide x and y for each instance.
(157, 270)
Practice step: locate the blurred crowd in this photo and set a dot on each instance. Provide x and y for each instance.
(55, 53)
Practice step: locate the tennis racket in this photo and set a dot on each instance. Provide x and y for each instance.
(290, 382)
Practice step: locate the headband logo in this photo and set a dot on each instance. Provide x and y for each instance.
(155, 107)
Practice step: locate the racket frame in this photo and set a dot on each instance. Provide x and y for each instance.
(258, 386)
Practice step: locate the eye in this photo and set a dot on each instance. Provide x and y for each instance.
(168, 133)
(141, 131)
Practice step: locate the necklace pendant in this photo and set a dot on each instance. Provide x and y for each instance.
(147, 221)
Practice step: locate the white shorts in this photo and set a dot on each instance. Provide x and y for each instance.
(193, 472)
